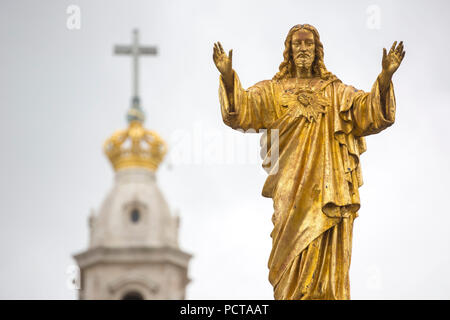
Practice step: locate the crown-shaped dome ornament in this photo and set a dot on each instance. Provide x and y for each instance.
(135, 146)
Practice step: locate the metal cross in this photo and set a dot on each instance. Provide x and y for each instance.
(135, 51)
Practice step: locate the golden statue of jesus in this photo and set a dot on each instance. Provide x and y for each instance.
(321, 124)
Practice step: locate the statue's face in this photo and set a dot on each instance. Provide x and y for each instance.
(303, 48)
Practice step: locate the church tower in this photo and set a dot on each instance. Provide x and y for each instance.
(133, 247)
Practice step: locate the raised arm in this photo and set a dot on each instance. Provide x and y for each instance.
(390, 64)
(253, 108)
(374, 111)
(224, 64)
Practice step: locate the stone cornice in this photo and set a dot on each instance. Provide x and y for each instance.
(133, 255)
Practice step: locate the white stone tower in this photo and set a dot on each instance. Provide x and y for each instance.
(133, 249)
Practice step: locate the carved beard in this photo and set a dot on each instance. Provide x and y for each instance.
(304, 60)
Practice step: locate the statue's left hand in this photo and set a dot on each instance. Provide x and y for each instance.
(391, 61)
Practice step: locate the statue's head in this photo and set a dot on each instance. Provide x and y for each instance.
(303, 49)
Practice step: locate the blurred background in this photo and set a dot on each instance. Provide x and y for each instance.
(63, 93)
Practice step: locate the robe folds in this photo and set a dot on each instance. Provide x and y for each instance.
(314, 180)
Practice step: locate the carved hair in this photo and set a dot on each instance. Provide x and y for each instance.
(287, 67)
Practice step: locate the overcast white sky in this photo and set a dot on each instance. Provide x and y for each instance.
(62, 93)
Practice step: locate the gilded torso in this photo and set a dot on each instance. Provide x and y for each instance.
(302, 98)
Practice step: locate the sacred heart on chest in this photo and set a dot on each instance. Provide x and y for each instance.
(304, 103)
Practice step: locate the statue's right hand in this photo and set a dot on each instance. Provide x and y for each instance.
(222, 61)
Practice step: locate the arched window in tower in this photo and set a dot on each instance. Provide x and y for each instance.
(135, 215)
(132, 295)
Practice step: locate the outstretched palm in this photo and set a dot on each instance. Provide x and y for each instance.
(391, 61)
(222, 61)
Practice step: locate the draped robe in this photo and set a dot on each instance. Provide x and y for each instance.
(315, 179)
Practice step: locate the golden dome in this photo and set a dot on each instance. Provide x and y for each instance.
(135, 147)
